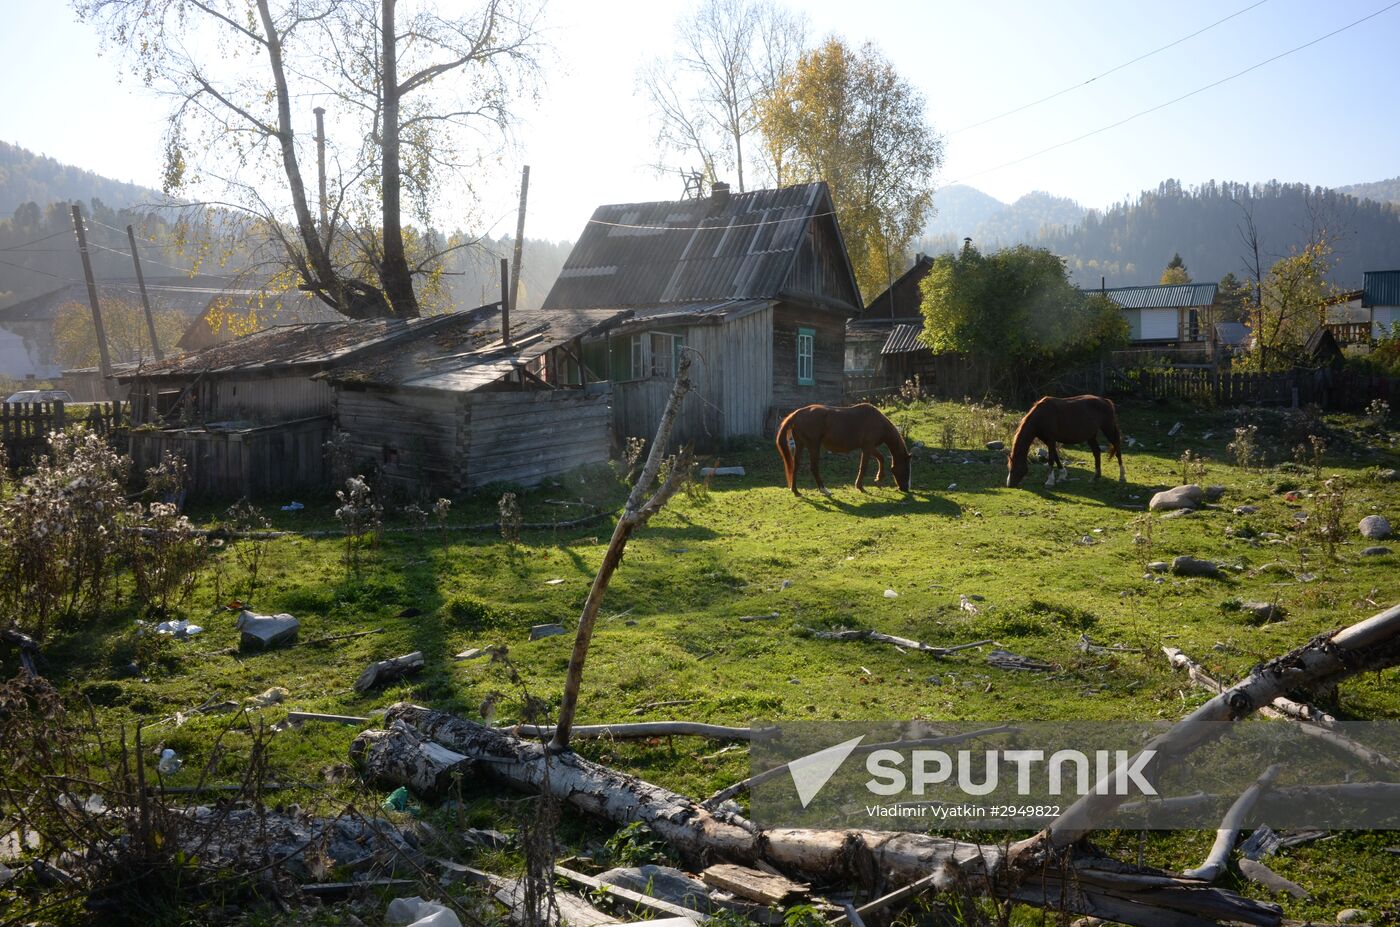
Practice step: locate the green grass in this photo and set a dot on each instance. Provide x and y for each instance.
(670, 630)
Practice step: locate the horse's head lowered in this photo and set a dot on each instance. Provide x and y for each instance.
(899, 466)
(1016, 469)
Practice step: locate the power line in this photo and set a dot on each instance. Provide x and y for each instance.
(1072, 87)
(710, 228)
(1217, 83)
(36, 241)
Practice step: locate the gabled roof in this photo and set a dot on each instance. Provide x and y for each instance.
(466, 353)
(1169, 296)
(723, 247)
(1232, 334)
(902, 298)
(187, 295)
(1380, 288)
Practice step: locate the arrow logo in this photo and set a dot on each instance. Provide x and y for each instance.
(810, 773)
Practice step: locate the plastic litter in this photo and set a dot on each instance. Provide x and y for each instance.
(180, 630)
(169, 763)
(396, 800)
(293, 507)
(415, 912)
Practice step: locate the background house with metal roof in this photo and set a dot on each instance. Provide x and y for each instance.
(1380, 293)
(870, 333)
(1166, 315)
(758, 284)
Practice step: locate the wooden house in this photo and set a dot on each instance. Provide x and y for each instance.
(1167, 315)
(252, 416)
(757, 284)
(1381, 297)
(882, 347)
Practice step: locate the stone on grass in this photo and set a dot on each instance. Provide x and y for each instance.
(1246, 509)
(1179, 513)
(1375, 551)
(1191, 566)
(1351, 916)
(1213, 493)
(1387, 475)
(540, 631)
(1001, 446)
(263, 632)
(1374, 527)
(1159, 566)
(1182, 497)
(1261, 612)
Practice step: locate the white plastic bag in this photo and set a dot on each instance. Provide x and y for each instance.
(415, 912)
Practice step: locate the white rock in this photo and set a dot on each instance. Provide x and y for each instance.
(1374, 527)
(1182, 497)
(415, 912)
(891, 594)
(1350, 916)
(169, 763)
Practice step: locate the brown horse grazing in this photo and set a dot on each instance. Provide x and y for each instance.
(1067, 421)
(842, 429)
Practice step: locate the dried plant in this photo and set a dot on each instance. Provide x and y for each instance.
(61, 533)
(441, 509)
(1193, 468)
(361, 517)
(249, 527)
(166, 555)
(948, 438)
(340, 457)
(1326, 524)
(1377, 412)
(1245, 447)
(632, 452)
(511, 518)
(1143, 540)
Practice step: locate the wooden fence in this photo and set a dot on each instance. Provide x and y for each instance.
(25, 427)
(265, 460)
(1335, 390)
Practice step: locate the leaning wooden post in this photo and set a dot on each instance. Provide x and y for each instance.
(635, 514)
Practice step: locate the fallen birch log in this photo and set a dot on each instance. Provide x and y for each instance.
(1229, 831)
(1368, 645)
(1077, 881)
(399, 756)
(902, 642)
(639, 730)
(1311, 721)
(1255, 871)
(389, 670)
(745, 785)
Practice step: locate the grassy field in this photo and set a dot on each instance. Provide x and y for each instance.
(1050, 565)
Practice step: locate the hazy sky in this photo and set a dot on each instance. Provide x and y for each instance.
(1325, 115)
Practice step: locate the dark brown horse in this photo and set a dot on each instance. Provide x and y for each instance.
(1076, 420)
(842, 429)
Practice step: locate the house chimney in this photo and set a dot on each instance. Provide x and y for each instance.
(967, 243)
(719, 193)
(505, 301)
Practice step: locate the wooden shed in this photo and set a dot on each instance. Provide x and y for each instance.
(456, 407)
(757, 284)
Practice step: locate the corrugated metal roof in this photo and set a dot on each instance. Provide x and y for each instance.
(905, 339)
(1380, 288)
(1161, 297)
(705, 250)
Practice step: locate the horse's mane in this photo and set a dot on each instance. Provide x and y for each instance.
(1025, 421)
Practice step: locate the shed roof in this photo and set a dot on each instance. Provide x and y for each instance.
(902, 297)
(905, 339)
(1167, 296)
(1380, 288)
(738, 246)
(466, 352)
(314, 344)
(1232, 334)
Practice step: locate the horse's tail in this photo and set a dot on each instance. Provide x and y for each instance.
(1111, 430)
(786, 452)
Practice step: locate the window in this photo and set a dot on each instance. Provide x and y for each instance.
(1193, 326)
(806, 343)
(652, 354)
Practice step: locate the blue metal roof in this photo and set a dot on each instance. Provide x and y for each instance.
(1380, 288)
(1161, 297)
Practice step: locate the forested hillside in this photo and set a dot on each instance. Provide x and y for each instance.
(965, 212)
(1382, 191)
(26, 177)
(1131, 242)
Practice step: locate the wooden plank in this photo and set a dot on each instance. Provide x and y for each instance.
(645, 901)
(754, 885)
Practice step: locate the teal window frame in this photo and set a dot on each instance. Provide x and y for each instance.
(807, 338)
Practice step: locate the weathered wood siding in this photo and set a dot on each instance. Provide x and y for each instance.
(265, 398)
(745, 364)
(828, 359)
(414, 439)
(638, 404)
(821, 267)
(526, 438)
(272, 460)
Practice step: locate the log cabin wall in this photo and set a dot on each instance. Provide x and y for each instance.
(267, 461)
(525, 438)
(411, 438)
(828, 360)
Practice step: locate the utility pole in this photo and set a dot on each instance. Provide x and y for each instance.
(145, 300)
(106, 360)
(519, 236)
(320, 112)
(505, 302)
